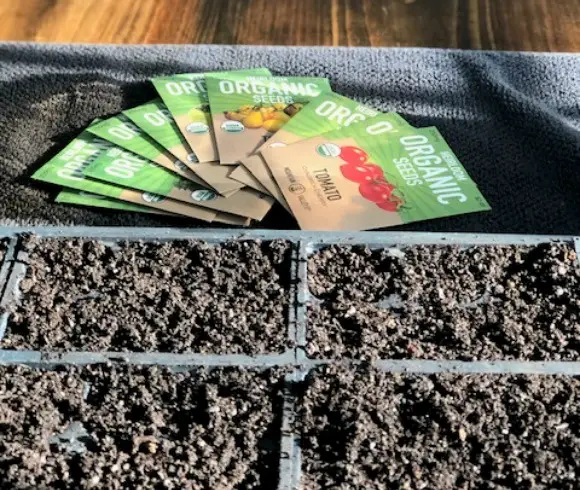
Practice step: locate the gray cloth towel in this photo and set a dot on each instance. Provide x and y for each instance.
(513, 119)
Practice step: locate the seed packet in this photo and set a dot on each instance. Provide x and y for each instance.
(123, 132)
(124, 168)
(244, 176)
(327, 112)
(247, 109)
(81, 198)
(66, 169)
(185, 95)
(155, 119)
(367, 176)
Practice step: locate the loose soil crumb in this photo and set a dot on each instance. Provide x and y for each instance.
(142, 428)
(487, 302)
(180, 296)
(369, 430)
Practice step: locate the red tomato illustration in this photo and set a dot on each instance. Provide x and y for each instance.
(353, 154)
(390, 206)
(377, 192)
(360, 173)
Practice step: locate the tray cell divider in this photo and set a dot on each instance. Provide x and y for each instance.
(7, 263)
(321, 237)
(568, 368)
(290, 451)
(51, 359)
(303, 295)
(577, 248)
(293, 297)
(15, 272)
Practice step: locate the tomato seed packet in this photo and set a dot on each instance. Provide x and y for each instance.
(123, 132)
(66, 169)
(372, 175)
(81, 198)
(185, 95)
(247, 109)
(327, 112)
(124, 168)
(155, 119)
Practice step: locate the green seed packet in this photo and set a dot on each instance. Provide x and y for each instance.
(81, 198)
(247, 109)
(185, 95)
(372, 175)
(66, 170)
(122, 167)
(156, 121)
(327, 112)
(123, 132)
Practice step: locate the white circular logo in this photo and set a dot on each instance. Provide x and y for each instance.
(148, 197)
(197, 128)
(203, 195)
(180, 165)
(278, 144)
(192, 158)
(328, 150)
(232, 126)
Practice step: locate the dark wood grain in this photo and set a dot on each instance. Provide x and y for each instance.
(532, 25)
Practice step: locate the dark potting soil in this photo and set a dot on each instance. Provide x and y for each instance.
(370, 430)
(139, 428)
(180, 296)
(485, 302)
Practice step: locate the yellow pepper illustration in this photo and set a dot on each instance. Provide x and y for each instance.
(267, 112)
(253, 120)
(281, 116)
(273, 125)
(234, 116)
(195, 115)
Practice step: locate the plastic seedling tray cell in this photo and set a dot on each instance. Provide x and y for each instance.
(369, 429)
(121, 426)
(140, 299)
(469, 298)
(304, 244)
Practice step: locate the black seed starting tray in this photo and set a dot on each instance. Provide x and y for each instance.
(410, 311)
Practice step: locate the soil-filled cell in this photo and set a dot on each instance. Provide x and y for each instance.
(432, 302)
(369, 430)
(141, 428)
(180, 296)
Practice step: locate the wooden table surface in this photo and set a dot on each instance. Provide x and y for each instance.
(536, 25)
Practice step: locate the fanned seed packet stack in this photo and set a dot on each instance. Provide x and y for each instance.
(224, 147)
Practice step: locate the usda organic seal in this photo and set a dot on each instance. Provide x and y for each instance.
(232, 126)
(197, 128)
(203, 195)
(328, 150)
(148, 197)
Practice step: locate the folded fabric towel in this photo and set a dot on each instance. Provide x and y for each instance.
(513, 119)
